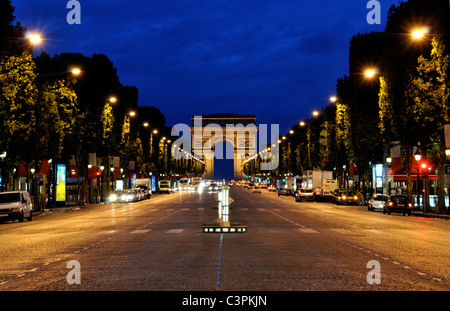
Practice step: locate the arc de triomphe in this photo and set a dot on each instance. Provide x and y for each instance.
(238, 130)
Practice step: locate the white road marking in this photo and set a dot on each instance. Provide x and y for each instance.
(141, 231)
(307, 230)
(175, 231)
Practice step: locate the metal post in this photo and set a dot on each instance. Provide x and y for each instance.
(225, 205)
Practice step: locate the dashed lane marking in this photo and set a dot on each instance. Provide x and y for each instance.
(141, 231)
(307, 230)
(176, 231)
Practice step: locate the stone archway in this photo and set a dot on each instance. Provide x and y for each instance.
(239, 131)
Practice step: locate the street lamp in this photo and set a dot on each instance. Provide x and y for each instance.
(370, 73)
(417, 157)
(419, 33)
(76, 71)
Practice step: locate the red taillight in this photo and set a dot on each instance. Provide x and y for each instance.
(410, 204)
(391, 203)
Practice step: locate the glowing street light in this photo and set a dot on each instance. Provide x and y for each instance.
(370, 73)
(76, 71)
(35, 39)
(132, 113)
(113, 99)
(315, 113)
(419, 33)
(333, 99)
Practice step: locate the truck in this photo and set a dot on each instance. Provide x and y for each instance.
(165, 186)
(321, 182)
(144, 184)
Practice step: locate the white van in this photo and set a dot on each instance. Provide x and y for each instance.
(15, 205)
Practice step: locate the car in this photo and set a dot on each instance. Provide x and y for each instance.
(125, 196)
(271, 188)
(377, 201)
(398, 203)
(213, 187)
(16, 205)
(304, 194)
(256, 189)
(335, 195)
(347, 197)
(284, 191)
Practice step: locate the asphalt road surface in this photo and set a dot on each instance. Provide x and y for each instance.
(158, 244)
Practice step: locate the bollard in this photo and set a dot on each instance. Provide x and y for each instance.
(223, 224)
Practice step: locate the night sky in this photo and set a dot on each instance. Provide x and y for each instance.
(277, 60)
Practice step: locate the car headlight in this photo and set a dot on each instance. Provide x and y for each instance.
(113, 197)
(17, 209)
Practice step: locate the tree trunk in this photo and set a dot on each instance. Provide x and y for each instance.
(441, 175)
(408, 159)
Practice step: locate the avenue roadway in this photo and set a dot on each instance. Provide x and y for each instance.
(158, 244)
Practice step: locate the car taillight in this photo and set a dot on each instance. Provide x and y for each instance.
(355, 197)
(409, 204)
(391, 203)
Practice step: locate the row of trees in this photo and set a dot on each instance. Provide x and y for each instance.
(403, 99)
(47, 112)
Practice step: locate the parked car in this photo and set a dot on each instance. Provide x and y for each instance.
(304, 194)
(284, 191)
(16, 205)
(398, 203)
(125, 196)
(256, 189)
(347, 197)
(335, 195)
(377, 201)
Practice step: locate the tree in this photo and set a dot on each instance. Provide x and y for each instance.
(430, 107)
(12, 36)
(18, 98)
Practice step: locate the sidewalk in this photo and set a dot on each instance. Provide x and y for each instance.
(430, 215)
(47, 211)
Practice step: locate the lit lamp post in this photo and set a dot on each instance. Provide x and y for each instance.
(35, 40)
(417, 157)
(102, 168)
(425, 186)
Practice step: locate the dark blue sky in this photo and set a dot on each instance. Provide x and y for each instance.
(278, 60)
